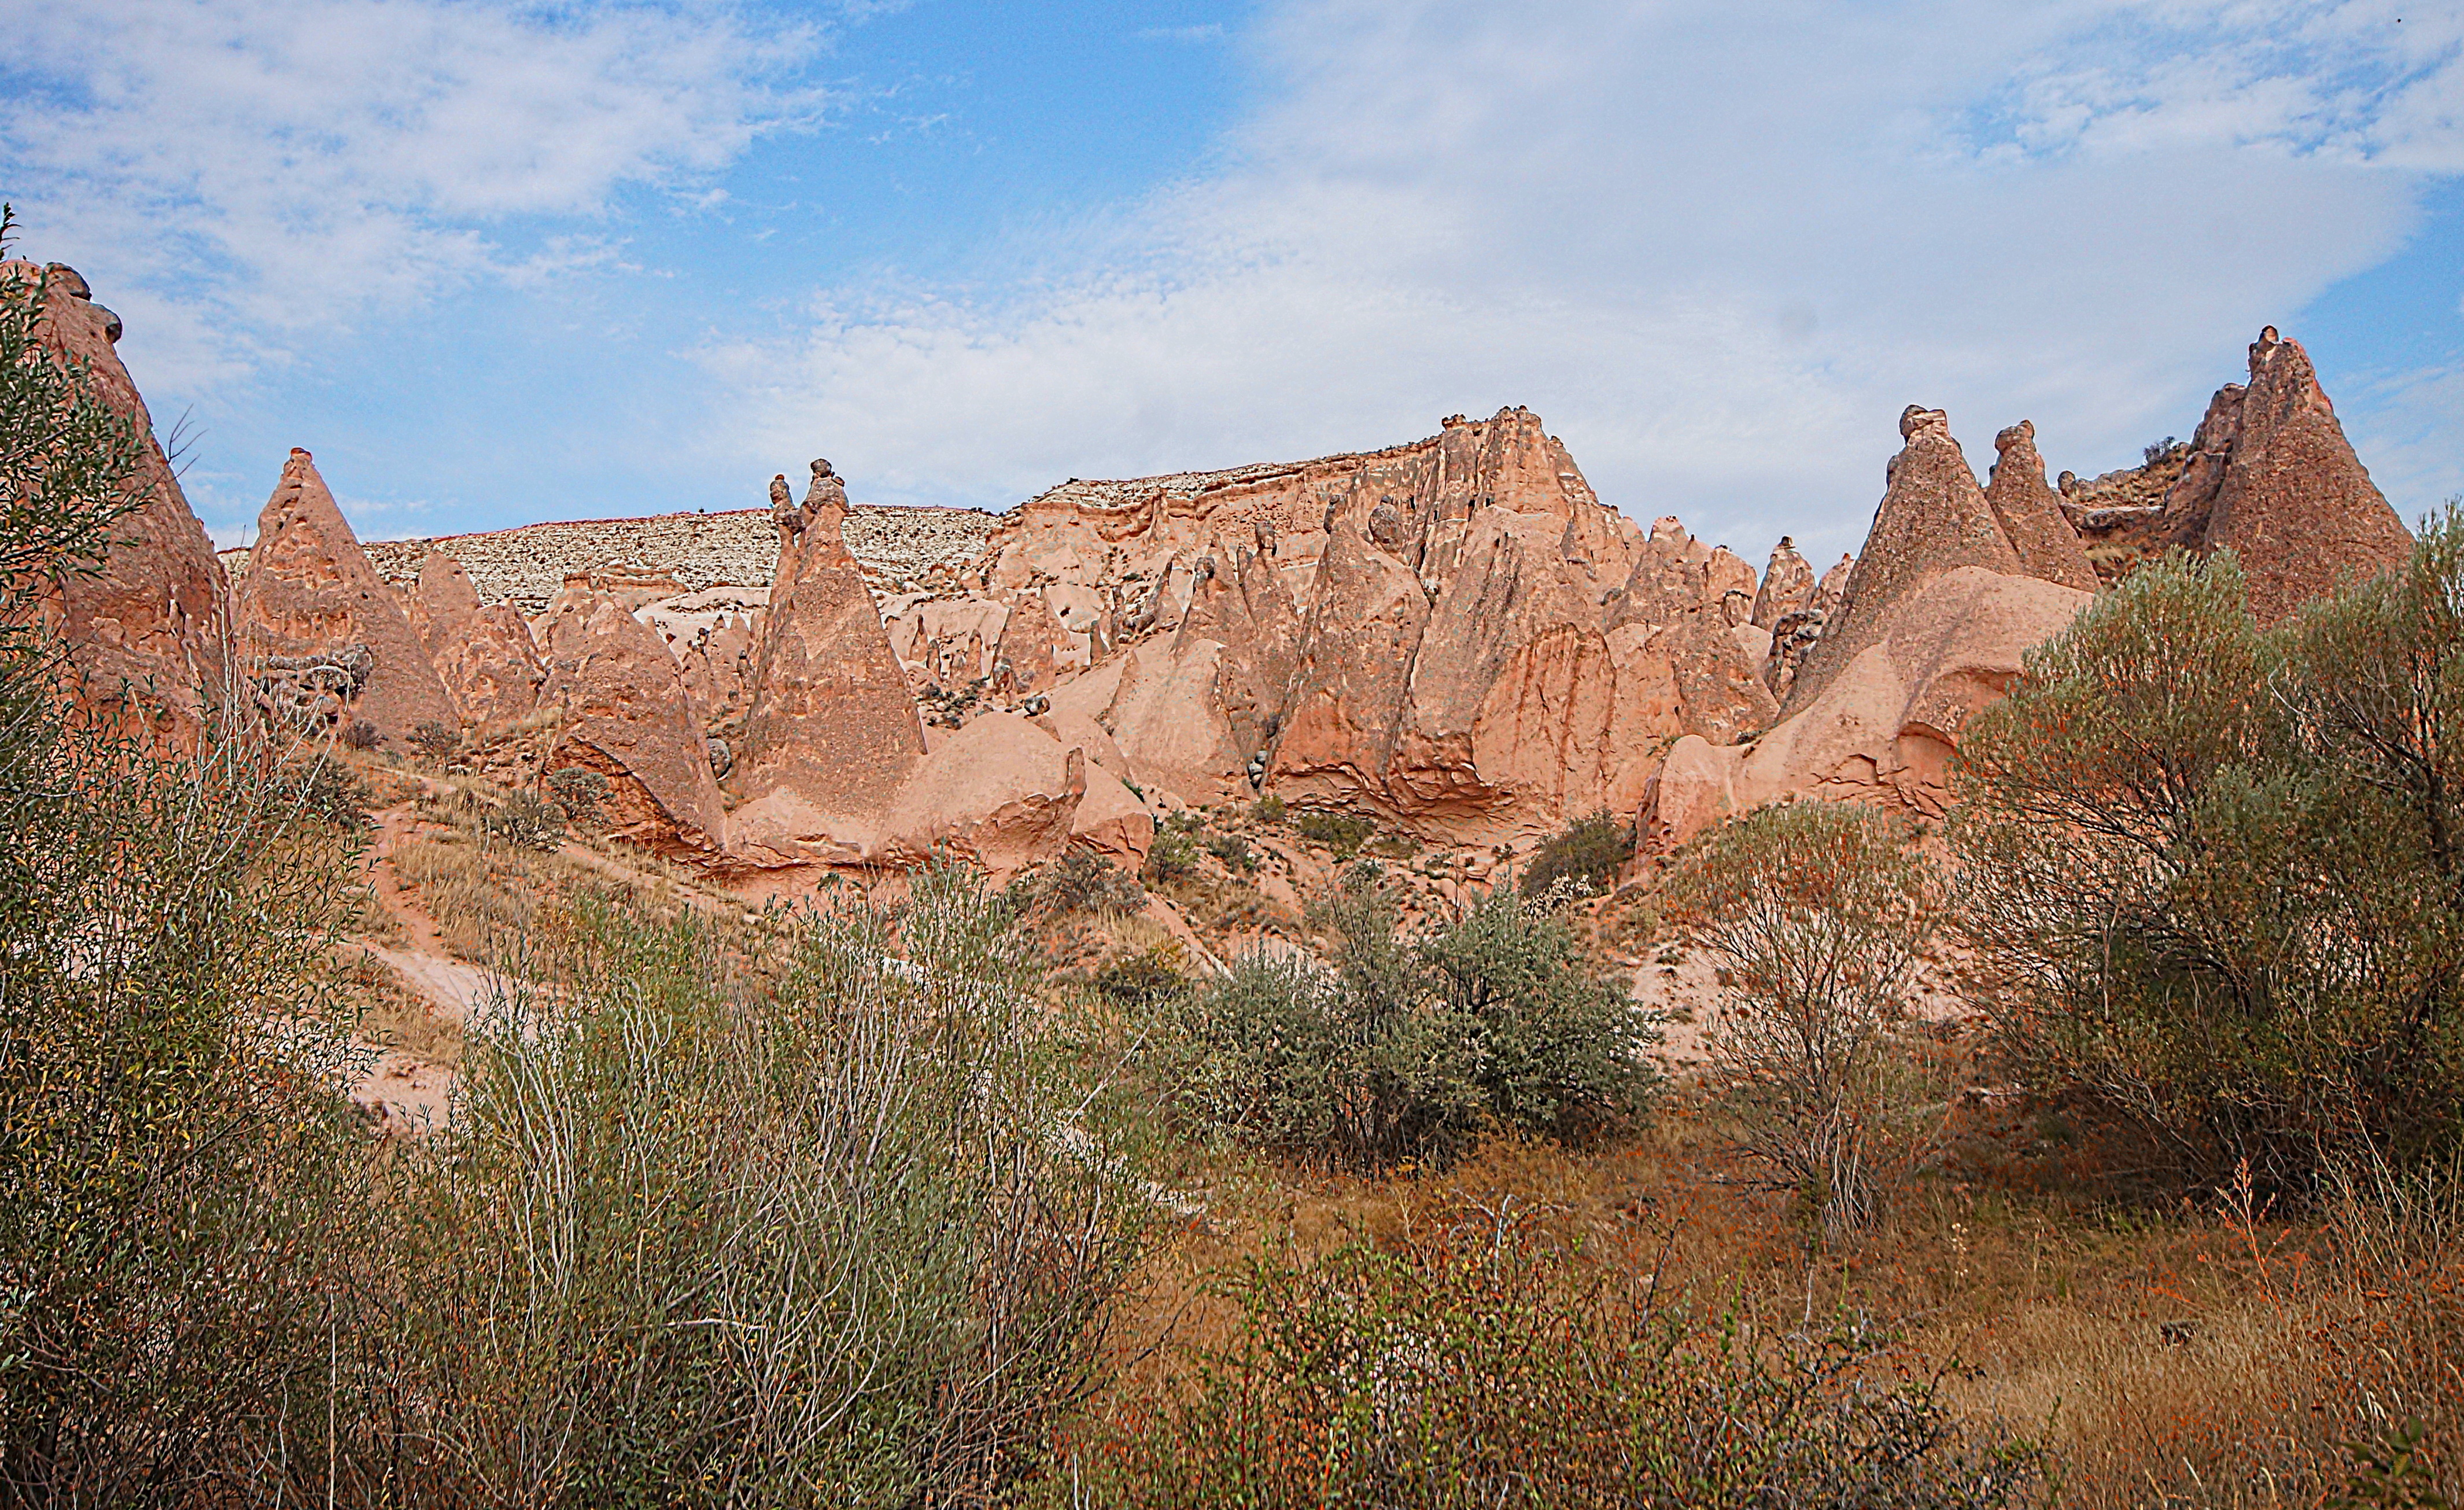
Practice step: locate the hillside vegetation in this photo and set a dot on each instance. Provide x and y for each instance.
(2103, 1145)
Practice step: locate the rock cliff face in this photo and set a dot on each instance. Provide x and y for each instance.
(150, 632)
(484, 654)
(310, 596)
(625, 714)
(1454, 632)
(1931, 624)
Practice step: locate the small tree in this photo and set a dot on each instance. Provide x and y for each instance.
(1586, 854)
(1819, 911)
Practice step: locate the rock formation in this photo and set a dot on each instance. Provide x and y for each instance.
(484, 655)
(2294, 503)
(831, 730)
(2267, 474)
(1788, 584)
(1477, 653)
(1932, 518)
(149, 632)
(310, 593)
(2031, 513)
(1006, 795)
(625, 714)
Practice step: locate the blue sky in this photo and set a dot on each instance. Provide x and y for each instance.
(496, 262)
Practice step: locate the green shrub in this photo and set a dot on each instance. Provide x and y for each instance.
(1234, 852)
(1582, 858)
(1080, 882)
(435, 741)
(1141, 983)
(1269, 808)
(1819, 912)
(524, 821)
(181, 1180)
(2211, 878)
(1343, 833)
(1172, 856)
(1486, 1369)
(582, 793)
(1409, 1050)
(692, 1244)
(330, 794)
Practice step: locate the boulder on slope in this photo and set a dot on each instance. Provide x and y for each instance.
(1004, 794)
(309, 595)
(150, 632)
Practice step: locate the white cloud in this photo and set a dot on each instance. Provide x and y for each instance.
(1717, 246)
(239, 171)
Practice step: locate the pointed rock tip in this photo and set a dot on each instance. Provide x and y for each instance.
(1916, 420)
(2022, 434)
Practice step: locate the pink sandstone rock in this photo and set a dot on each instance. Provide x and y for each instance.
(1004, 794)
(1788, 584)
(832, 729)
(2295, 504)
(485, 655)
(150, 632)
(2031, 513)
(625, 715)
(310, 593)
(1933, 518)
(1886, 726)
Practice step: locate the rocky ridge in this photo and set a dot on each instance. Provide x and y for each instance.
(1453, 635)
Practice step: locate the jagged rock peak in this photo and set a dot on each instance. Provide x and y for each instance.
(148, 633)
(485, 654)
(832, 728)
(1788, 584)
(310, 590)
(1933, 518)
(2031, 513)
(2294, 503)
(627, 717)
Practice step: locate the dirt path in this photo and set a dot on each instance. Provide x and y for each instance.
(404, 1092)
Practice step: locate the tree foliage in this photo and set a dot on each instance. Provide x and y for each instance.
(1819, 912)
(2213, 871)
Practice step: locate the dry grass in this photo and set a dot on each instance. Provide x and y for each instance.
(397, 1018)
(2205, 1355)
(482, 897)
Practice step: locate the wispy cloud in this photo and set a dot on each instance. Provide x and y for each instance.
(1208, 32)
(240, 171)
(1717, 246)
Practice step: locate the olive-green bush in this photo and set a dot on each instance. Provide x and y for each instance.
(2212, 872)
(1409, 1050)
(1481, 1366)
